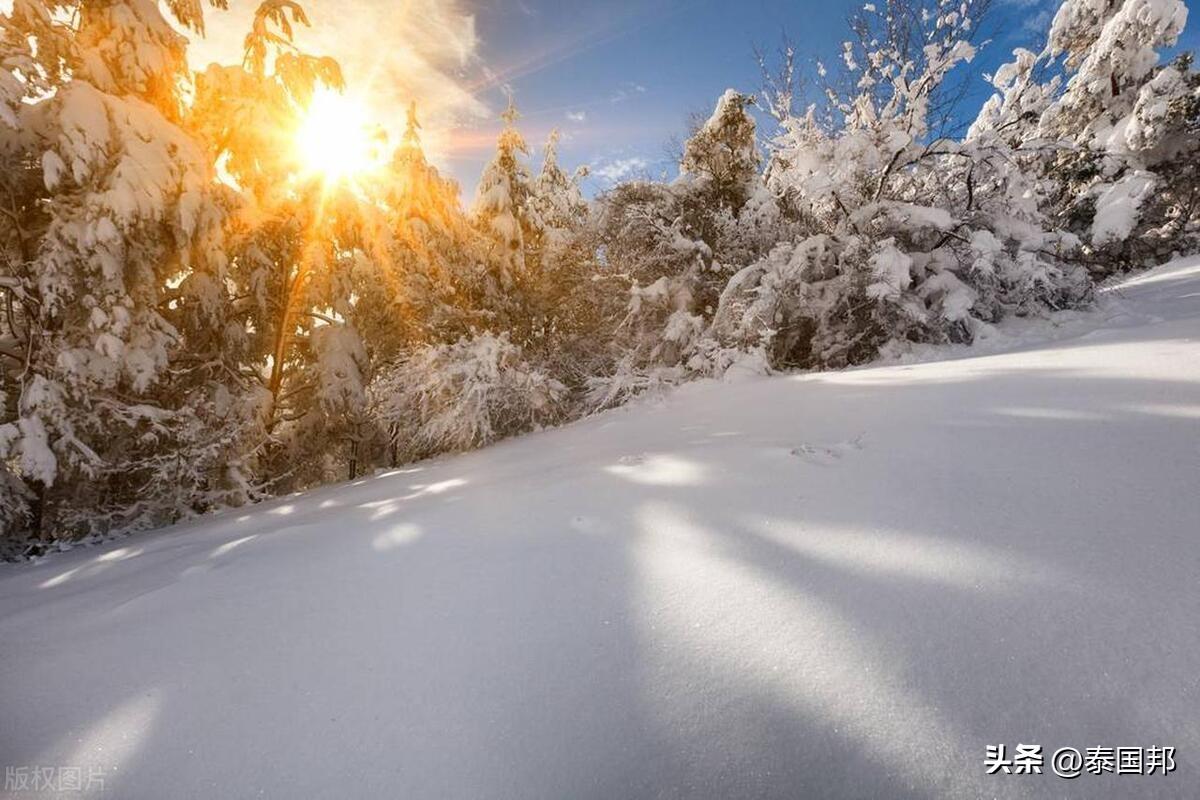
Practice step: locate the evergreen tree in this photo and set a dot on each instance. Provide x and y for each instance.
(501, 200)
(556, 202)
(437, 275)
(125, 209)
(722, 156)
(300, 247)
(1123, 179)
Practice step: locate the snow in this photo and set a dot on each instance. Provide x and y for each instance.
(834, 584)
(1118, 205)
(893, 270)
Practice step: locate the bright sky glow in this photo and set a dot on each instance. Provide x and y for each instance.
(335, 139)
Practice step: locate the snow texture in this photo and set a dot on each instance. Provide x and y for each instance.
(1117, 207)
(835, 584)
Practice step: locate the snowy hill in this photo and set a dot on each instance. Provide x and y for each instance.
(840, 584)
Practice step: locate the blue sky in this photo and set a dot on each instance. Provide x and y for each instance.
(619, 78)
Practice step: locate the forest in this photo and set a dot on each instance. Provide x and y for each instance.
(199, 311)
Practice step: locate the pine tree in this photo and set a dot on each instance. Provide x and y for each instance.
(300, 249)
(1123, 177)
(723, 154)
(500, 208)
(436, 255)
(556, 202)
(125, 209)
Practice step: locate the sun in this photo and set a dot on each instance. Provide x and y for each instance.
(334, 139)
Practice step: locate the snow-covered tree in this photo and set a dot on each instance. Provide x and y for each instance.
(303, 248)
(1124, 176)
(1110, 48)
(124, 210)
(652, 263)
(437, 283)
(559, 319)
(540, 250)
(501, 200)
(1020, 100)
(723, 154)
(556, 202)
(906, 237)
(675, 247)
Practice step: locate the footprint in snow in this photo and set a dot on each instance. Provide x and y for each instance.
(581, 524)
(826, 455)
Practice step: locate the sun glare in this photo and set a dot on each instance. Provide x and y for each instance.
(334, 140)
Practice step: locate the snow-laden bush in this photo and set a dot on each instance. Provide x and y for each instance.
(452, 397)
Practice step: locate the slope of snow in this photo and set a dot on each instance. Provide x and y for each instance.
(839, 584)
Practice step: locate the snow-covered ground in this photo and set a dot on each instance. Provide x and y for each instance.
(841, 584)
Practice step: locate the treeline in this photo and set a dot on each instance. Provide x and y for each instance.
(190, 322)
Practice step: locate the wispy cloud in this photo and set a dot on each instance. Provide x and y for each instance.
(577, 116)
(1038, 22)
(600, 25)
(627, 91)
(1034, 15)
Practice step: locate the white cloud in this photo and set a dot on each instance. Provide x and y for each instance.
(577, 116)
(622, 168)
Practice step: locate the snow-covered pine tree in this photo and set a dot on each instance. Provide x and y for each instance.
(112, 205)
(501, 200)
(721, 158)
(300, 246)
(722, 190)
(676, 246)
(556, 201)
(560, 320)
(1124, 177)
(437, 283)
